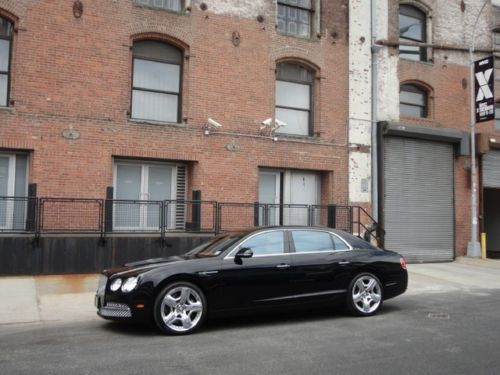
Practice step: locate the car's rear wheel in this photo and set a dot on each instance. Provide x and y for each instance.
(365, 295)
(180, 308)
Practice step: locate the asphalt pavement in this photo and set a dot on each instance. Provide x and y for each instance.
(448, 322)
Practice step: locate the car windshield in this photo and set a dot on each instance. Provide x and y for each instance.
(215, 246)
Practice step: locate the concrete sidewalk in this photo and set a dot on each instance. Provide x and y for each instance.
(34, 299)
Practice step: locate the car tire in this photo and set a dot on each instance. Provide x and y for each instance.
(364, 295)
(180, 308)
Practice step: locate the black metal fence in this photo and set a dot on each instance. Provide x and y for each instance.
(105, 216)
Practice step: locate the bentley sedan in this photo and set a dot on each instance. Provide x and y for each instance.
(273, 268)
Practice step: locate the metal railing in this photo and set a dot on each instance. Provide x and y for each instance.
(105, 216)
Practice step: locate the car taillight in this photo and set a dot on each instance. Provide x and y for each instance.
(403, 263)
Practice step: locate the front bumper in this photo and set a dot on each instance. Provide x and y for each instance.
(111, 310)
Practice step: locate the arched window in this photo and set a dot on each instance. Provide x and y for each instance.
(6, 29)
(413, 101)
(156, 82)
(294, 88)
(412, 28)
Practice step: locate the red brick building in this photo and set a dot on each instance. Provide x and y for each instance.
(117, 94)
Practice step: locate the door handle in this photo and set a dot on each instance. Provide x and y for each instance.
(283, 266)
(344, 262)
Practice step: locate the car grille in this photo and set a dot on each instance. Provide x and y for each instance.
(115, 310)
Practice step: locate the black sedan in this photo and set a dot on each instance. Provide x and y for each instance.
(275, 268)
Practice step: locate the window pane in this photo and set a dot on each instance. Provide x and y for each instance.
(410, 53)
(301, 3)
(154, 106)
(294, 21)
(339, 244)
(128, 182)
(294, 72)
(295, 95)
(409, 97)
(20, 185)
(411, 110)
(5, 28)
(496, 40)
(266, 243)
(156, 76)
(3, 90)
(151, 49)
(4, 175)
(128, 187)
(4, 55)
(297, 122)
(312, 241)
(411, 28)
(174, 5)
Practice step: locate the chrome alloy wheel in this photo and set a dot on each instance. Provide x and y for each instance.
(366, 294)
(181, 309)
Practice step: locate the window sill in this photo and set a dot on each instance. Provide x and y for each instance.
(426, 62)
(183, 12)
(8, 109)
(306, 38)
(158, 123)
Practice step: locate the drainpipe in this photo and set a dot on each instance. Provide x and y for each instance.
(374, 48)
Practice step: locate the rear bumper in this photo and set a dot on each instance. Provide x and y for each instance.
(395, 288)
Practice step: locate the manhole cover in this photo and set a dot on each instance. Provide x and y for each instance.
(438, 316)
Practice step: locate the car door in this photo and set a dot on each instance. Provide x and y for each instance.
(322, 263)
(258, 281)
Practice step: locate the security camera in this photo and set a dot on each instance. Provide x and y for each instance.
(214, 123)
(267, 122)
(279, 124)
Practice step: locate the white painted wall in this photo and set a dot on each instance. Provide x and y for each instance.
(238, 8)
(360, 113)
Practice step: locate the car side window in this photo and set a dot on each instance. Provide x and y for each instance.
(339, 244)
(307, 241)
(266, 243)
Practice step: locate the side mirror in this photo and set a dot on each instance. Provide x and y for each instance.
(244, 252)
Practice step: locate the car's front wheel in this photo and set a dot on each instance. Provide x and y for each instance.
(365, 295)
(180, 308)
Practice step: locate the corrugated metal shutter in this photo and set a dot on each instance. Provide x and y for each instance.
(419, 203)
(491, 169)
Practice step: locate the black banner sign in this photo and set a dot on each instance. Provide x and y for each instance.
(485, 83)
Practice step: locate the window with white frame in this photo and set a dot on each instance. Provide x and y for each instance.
(294, 88)
(6, 29)
(172, 5)
(412, 28)
(156, 82)
(295, 17)
(413, 101)
(13, 191)
(141, 190)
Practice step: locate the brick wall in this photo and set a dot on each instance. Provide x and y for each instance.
(75, 74)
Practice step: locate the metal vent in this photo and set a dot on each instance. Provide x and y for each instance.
(180, 209)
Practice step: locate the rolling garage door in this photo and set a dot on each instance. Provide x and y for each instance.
(491, 169)
(418, 200)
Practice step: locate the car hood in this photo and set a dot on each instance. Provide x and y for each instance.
(144, 265)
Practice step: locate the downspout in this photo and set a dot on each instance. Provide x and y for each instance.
(374, 155)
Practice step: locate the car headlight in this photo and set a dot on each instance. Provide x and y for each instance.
(115, 285)
(129, 284)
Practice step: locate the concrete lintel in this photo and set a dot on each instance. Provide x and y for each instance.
(458, 137)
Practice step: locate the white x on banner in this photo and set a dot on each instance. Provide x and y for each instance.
(484, 91)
